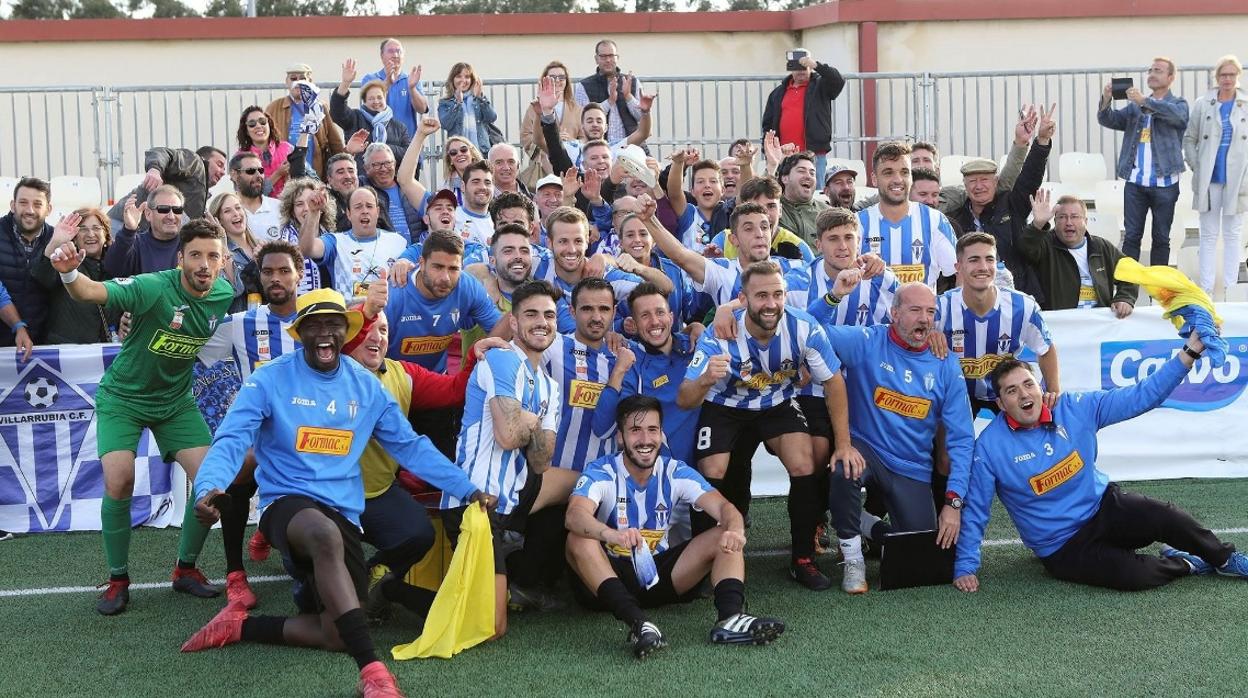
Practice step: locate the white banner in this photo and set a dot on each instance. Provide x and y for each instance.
(1201, 431)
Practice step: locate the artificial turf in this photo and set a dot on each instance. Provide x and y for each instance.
(1023, 634)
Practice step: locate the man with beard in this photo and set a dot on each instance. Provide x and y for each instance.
(696, 225)
(915, 241)
(654, 366)
(899, 393)
(358, 255)
(23, 236)
(581, 363)
(1040, 458)
(1075, 268)
(132, 252)
(505, 164)
(624, 501)
(264, 214)
(569, 240)
(392, 521)
(766, 192)
(838, 186)
(799, 207)
(343, 179)
(253, 338)
(308, 414)
(749, 384)
(506, 446)
(148, 386)
(984, 325)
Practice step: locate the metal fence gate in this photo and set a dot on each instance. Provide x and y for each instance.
(103, 131)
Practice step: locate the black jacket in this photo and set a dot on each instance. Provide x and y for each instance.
(15, 265)
(826, 84)
(1058, 272)
(180, 167)
(596, 89)
(1005, 216)
(71, 321)
(560, 163)
(352, 120)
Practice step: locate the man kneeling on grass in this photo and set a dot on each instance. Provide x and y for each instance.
(623, 502)
(1041, 463)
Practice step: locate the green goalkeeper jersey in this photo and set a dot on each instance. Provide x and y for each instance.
(168, 326)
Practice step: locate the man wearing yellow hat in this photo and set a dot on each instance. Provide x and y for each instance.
(309, 415)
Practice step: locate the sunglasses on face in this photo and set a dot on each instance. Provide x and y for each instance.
(252, 123)
(251, 170)
(164, 209)
(297, 76)
(457, 151)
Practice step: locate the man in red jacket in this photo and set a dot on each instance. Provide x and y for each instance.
(799, 109)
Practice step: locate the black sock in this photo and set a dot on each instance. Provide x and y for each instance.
(119, 577)
(622, 604)
(413, 598)
(804, 514)
(183, 565)
(264, 629)
(729, 597)
(353, 629)
(700, 521)
(234, 523)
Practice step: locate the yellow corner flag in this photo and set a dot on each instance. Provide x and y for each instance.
(1168, 286)
(462, 614)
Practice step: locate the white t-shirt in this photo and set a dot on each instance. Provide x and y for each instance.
(265, 223)
(478, 228)
(355, 261)
(1087, 291)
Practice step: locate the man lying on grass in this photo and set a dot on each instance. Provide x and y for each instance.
(1042, 463)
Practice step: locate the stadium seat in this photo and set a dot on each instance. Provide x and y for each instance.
(856, 165)
(126, 184)
(1082, 171)
(1106, 225)
(70, 193)
(1107, 195)
(7, 187)
(951, 169)
(225, 184)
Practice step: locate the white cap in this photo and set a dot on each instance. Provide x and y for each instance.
(549, 179)
(633, 159)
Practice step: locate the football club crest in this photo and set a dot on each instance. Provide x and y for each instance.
(352, 408)
(1003, 343)
(747, 367)
(176, 322)
(916, 248)
(212, 323)
(929, 381)
(1061, 431)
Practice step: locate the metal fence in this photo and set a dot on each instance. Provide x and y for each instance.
(104, 130)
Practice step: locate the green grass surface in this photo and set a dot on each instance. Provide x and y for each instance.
(1023, 634)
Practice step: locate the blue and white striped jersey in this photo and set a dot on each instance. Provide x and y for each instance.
(494, 470)
(721, 279)
(980, 343)
(763, 376)
(868, 304)
(919, 248)
(622, 504)
(251, 337)
(1143, 173)
(581, 372)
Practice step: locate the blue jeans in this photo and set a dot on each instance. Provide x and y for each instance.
(909, 502)
(821, 165)
(1137, 202)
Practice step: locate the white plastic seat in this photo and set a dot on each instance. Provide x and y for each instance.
(126, 184)
(1108, 195)
(858, 166)
(951, 169)
(7, 187)
(70, 193)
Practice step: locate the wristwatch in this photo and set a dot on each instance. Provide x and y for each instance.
(953, 500)
(1194, 354)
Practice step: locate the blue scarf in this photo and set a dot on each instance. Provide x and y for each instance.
(379, 121)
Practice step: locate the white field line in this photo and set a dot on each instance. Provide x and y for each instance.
(47, 591)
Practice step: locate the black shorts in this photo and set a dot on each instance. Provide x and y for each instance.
(508, 529)
(720, 427)
(817, 418)
(661, 594)
(274, 523)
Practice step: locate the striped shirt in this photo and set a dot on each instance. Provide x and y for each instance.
(693, 229)
(1144, 173)
(622, 504)
(980, 343)
(721, 278)
(763, 376)
(919, 248)
(252, 338)
(581, 372)
(491, 468)
(870, 303)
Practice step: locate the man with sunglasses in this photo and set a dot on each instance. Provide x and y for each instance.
(617, 94)
(131, 252)
(264, 213)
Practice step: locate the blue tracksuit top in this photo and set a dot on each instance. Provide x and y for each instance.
(896, 399)
(1047, 476)
(309, 429)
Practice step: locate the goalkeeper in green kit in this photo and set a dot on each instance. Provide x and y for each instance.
(148, 385)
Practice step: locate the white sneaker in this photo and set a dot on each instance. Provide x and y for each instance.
(854, 580)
